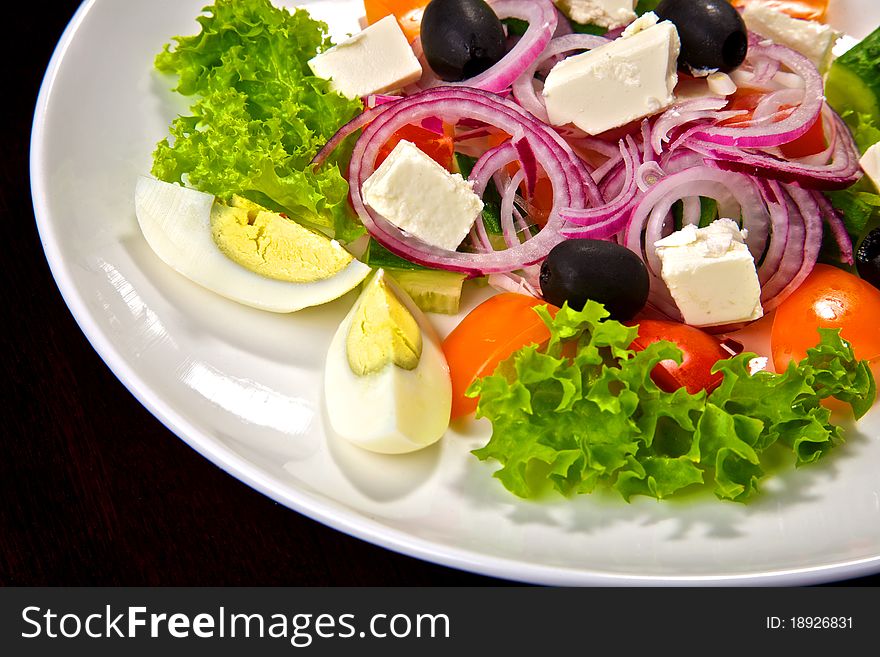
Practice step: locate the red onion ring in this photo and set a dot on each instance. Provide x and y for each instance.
(763, 133)
(842, 171)
(572, 185)
(542, 17)
(524, 86)
(609, 219)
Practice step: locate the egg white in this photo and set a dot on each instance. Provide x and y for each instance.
(176, 222)
(393, 411)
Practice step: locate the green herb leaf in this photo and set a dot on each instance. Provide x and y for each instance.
(259, 116)
(584, 411)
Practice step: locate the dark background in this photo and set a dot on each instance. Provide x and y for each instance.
(93, 489)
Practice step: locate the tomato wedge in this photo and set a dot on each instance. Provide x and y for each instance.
(489, 334)
(407, 12)
(810, 143)
(700, 351)
(813, 10)
(439, 147)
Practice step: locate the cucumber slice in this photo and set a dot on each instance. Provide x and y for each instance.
(378, 257)
(432, 290)
(853, 82)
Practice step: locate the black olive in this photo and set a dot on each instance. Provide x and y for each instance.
(461, 38)
(578, 270)
(868, 258)
(712, 33)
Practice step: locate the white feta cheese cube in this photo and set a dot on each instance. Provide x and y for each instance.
(813, 40)
(419, 196)
(605, 13)
(614, 84)
(711, 274)
(373, 61)
(642, 23)
(871, 164)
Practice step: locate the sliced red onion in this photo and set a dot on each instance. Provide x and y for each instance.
(509, 282)
(842, 171)
(572, 186)
(651, 218)
(764, 70)
(529, 164)
(682, 114)
(542, 18)
(601, 174)
(595, 144)
(648, 225)
(349, 128)
(507, 210)
(772, 103)
(774, 197)
(763, 133)
(804, 241)
(608, 219)
(524, 86)
(374, 100)
(838, 229)
(648, 175)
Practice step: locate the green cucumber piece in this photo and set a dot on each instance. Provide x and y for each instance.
(853, 82)
(377, 256)
(491, 197)
(432, 290)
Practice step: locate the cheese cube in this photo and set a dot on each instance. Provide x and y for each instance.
(419, 196)
(605, 13)
(813, 40)
(373, 61)
(871, 164)
(614, 84)
(711, 274)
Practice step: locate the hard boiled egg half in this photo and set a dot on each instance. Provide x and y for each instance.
(386, 380)
(241, 250)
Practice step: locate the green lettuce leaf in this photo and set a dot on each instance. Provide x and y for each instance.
(859, 210)
(259, 114)
(583, 411)
(864, 129)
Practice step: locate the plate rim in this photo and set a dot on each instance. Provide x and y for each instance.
(325, 511)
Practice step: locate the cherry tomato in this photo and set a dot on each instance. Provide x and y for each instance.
(407, 12)
(828, 298)
(489, 334)
(700, 351)
(438, 147)
(810, 9)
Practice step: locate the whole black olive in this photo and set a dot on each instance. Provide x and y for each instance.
(868, 258)
(712, 33)
(461, 38)
(578, 270)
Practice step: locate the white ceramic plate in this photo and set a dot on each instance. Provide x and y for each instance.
(243, 387)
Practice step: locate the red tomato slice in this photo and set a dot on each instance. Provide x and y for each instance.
(828, 298)
(489, 334)
(810, 143)
(407, 12)
(439, 148)
(813, 10)
(700, 351)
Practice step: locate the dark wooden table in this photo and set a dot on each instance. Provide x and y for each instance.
(93, 489)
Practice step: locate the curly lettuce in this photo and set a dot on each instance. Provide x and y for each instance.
(259, 116)
(583, 411)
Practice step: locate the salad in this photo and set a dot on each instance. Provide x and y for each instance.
(635, 182)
